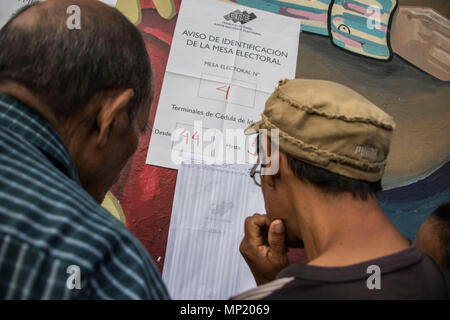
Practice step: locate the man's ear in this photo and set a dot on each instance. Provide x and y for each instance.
(112, 106)
(283, 171)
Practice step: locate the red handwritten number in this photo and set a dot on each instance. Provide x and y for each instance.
(227, 90)
(196, 138)
(185, 134)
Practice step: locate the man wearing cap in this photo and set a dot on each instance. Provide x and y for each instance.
(333, 146)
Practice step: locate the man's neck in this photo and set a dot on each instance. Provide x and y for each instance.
(342, 230)
(26, 97)
(63, 127)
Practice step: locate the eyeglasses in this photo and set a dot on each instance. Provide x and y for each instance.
(255, 173)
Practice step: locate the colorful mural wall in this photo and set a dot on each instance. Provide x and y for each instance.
(402, 67)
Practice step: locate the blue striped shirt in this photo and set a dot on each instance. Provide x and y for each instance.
(56, 242)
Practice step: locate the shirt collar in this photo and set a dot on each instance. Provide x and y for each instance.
(390, 263)
(27, 123)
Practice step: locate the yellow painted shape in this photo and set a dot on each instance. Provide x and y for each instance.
(165, 8)
(130, 9)
(111, 204)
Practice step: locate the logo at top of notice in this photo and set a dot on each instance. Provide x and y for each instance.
(239, 16)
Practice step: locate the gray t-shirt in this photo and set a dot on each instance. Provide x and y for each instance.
(408, 274)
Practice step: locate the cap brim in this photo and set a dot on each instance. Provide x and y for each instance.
(254, 128)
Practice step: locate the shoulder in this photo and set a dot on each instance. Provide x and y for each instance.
(127, 272)
(51, 214)
(120, 266)
(123, 268)
(433, 278)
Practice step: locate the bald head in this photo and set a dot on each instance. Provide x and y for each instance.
(67, 67)
(56, 11)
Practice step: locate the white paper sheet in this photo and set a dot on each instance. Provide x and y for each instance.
(215, 73)
(206, 227)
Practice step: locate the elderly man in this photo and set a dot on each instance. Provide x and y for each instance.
(73, 103)
(333, 146)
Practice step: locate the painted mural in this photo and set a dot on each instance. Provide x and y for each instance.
(360, 26)
(403, 68)
(394, 52)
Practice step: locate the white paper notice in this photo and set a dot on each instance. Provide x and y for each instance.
(224, 62)
(207, 225)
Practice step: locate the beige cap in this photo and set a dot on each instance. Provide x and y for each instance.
(329, 126)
